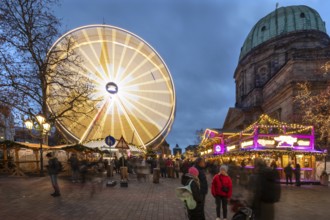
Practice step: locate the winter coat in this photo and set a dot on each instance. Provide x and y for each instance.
(217, 185)
(202, 179)
(288, 170)
(53, 166)
(197, 213)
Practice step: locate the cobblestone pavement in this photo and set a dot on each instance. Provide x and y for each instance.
(29, 198)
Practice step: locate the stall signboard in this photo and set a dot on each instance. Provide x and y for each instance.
(231, 148)
(218, 149)
(247, 144)
(266, 143)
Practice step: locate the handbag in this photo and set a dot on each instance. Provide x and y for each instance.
(223, 188)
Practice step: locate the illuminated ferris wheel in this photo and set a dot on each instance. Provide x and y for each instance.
(133, 93)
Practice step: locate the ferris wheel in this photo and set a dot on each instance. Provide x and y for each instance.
(133, 91)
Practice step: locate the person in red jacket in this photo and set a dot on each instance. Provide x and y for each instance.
(222, 189)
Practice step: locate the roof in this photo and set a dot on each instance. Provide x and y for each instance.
(102, 145)
(282, 21)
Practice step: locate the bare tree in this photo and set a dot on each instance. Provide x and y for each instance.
(316, 110)
(33, 77)
(199, 136)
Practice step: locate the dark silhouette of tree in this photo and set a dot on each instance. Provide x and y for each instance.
(28, 68)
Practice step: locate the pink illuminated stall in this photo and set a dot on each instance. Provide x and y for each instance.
(269, 139)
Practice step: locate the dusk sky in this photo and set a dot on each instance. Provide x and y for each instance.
(199, 40)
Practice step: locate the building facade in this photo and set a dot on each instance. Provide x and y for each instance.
(287, 47)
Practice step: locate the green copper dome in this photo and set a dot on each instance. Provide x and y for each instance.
(282, 21)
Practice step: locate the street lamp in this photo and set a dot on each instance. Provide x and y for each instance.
(38, 122)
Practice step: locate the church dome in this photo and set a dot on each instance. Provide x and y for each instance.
(282, 21)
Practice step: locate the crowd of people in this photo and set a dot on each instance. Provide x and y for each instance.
(262, 183)
(227, 182)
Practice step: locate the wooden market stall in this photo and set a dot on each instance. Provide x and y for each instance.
(20, 158)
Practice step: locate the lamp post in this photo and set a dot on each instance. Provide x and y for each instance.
(38, 122)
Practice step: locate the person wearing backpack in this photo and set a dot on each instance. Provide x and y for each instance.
(221, 190)
(192, 178)
(53, 169)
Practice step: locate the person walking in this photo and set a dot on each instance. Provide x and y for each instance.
(297, 174)
(200, 166)
(192, 176)
(265, 190)
(74, 164)
(117, 164)
(162, 167)
(53, 169)
(288, 173)
(177, 168)
(221, 189)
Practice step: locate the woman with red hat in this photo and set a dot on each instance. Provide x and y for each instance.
(192, 178)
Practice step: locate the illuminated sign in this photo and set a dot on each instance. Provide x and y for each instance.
(246, 144)
(303, 143)
(232, 147)
(285, 141)
(218, 148)
(266, 143)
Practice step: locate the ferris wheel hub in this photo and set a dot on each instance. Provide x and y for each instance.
(111, 88)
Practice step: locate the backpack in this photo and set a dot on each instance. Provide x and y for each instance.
(270, 186)
(184, 193)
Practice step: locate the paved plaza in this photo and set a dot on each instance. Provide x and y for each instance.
(29, 198)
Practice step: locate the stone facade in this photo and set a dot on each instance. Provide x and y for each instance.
(267, 76)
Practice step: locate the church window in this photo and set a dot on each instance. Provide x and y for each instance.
(263, 28)
(302, 15)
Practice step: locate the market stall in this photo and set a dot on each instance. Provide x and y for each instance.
(275, 142)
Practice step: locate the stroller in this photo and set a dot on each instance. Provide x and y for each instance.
(240, 208)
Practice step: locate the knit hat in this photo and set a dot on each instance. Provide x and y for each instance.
(193, 171)
(224, 167)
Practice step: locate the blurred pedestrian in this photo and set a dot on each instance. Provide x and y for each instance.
(233, 171)
(288, 173)
(297, 174)
(192, 175)
(83, 169)
(162, 167)
(222, 189)
(214, 168)
(74, 164)
(265, 190)
(185, 166)
(177, 168)
(53, 169)
(169, 168)
(200, 165)
(117, 164)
